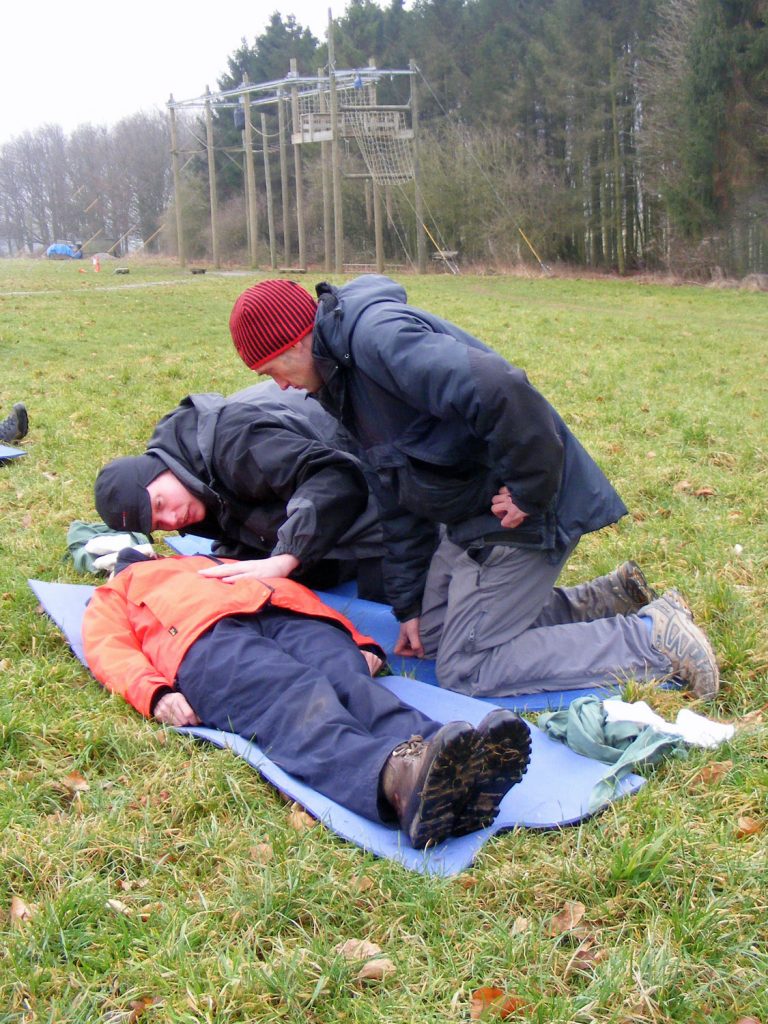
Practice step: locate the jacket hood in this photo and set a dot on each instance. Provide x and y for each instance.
(331, 344)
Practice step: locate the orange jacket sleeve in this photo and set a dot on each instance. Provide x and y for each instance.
(114, 652)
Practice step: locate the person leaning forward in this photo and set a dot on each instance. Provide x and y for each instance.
(267, 476)
(268, 660)
(484, 493)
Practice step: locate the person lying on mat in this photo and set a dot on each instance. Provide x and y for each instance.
(268, 660)
(484, 494)
(269, 477)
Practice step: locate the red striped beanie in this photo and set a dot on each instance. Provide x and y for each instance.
(269, 318)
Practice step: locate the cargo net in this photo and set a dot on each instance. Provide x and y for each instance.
(385, 143)
(383, 136)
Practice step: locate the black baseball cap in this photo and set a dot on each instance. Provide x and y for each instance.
(121, 492)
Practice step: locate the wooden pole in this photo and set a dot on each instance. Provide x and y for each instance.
(378, 229)
(338, 212)
(418, 202)
(296, 125)
(250, 177)
(177, 187)
(270, 203)
(325, 167)
(212, 178)
(284, 178)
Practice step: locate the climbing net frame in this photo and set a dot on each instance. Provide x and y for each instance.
(383, 134)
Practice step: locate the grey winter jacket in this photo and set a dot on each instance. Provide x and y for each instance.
(445, 422)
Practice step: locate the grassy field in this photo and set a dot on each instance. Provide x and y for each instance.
(221, 910)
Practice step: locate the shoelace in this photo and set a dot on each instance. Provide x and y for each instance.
(410, 748)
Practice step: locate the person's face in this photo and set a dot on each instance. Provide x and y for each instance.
(294, 368)
(173, 506)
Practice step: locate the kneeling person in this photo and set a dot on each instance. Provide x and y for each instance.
(266, 476)
(268, 660)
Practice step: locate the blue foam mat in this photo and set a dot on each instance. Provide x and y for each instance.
(6, 452)
(554, 792)
(376, 620)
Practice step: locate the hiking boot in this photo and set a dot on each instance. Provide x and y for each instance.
(426, 782)
(505, 746)
(15, 425)
(675, 635)
(622, 592)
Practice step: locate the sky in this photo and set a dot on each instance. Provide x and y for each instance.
(70, 63)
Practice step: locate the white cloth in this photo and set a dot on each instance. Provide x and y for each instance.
(696, 730)
(109, 546)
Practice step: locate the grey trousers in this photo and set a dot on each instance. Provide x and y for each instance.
(500, 627)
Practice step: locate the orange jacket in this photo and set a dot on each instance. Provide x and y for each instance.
(138, 627)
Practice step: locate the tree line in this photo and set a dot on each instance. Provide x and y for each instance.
(613, 134)
(98, 184)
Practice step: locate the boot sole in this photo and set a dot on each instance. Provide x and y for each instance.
(506, 751)
(443, 786)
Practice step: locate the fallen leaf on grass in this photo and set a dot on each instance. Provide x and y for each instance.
(467, 881)
(136, 1009)
(683, 485)
(376, 970)
(586, 956)
(262, 853)
(713, 772)
(138, 1006)
(148, 910)
(118, 907)
(521, 925)
(21, 912)
(755, 717)
(747, 826)
(74, 783)
(705, 492)
(375, 967)
(493, 1004)
(364, 883)
(299, 820)
(567, 918)
(357, 949)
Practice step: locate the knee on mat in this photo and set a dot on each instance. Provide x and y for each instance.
(452, 674)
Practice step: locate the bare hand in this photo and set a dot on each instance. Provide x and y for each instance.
(254, 569)
(409, 643)
(175, 709)
(373, 661)
(504, 508)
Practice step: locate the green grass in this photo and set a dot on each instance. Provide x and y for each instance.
(664, 386)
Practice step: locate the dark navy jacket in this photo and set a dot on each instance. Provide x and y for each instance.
(272, 474)
(445, 422)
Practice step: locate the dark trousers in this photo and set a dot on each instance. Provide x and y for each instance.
(300, 688)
